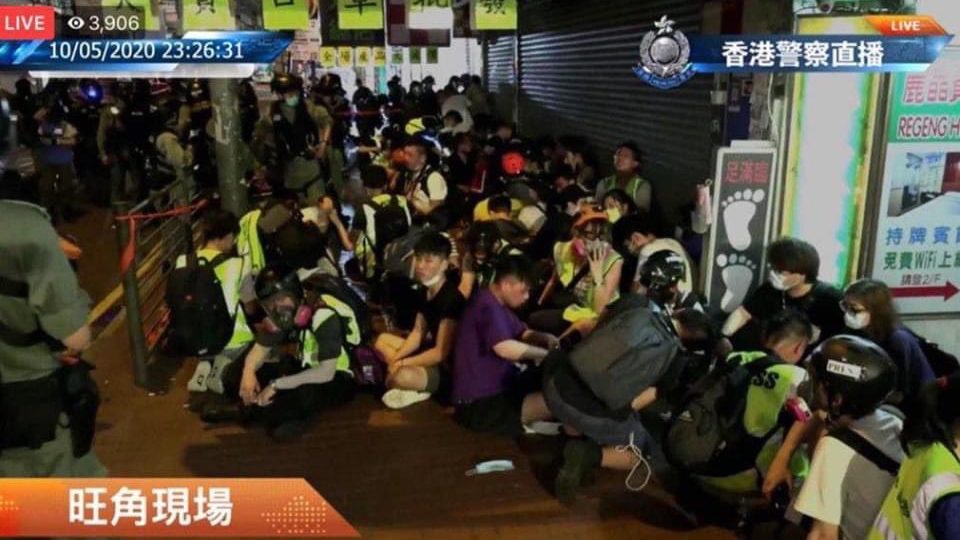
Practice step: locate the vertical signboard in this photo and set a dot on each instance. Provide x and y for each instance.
(917, 247)
(738, 239)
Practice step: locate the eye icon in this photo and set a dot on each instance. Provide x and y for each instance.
(75, 23)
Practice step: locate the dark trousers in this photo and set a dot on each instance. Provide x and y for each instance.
(296, 404)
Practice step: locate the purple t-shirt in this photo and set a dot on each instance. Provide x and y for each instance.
(477, 370)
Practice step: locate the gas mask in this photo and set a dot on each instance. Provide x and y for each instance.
(289, 318)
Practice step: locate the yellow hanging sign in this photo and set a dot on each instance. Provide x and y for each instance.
(360, 14)
(495, 14)
(286, 14)
(328, 56)
(345, 57)
(379, 57)
(208, 15)
(363, 56)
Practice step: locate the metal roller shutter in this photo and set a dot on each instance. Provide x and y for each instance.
(576, 61)
(499, 77)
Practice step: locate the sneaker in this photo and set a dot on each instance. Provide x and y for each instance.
(214, 380)
(400, 399)
(580, 458)
(546, 429)
(198, 381)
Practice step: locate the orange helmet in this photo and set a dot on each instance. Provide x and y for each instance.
(513, 163)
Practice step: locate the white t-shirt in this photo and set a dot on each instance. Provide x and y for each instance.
(461, 104)
(437, 186)
(845, 488)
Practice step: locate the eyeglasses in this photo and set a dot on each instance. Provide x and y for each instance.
(848, 308)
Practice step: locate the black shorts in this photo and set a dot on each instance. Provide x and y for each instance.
(500, 414)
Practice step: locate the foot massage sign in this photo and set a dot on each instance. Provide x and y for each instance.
(737, 241)
(167, 507)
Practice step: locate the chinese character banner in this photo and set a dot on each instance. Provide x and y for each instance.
(794, 53)
(917, 247)
(167, 507)
(286, 15)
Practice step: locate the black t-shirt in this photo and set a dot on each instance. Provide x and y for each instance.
(460, 172)
(821, 305)
(447, 304)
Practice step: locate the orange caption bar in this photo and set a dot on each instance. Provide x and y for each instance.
(167, 507)
(906, 25)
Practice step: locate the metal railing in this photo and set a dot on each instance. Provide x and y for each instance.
(158, 239)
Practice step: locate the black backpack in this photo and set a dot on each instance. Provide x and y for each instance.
(631, 349)
(336, 287)
(200, 320)
(389, 222)
(941, 362)
(706, 434)
(396, 254)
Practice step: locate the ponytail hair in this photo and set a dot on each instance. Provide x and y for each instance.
(937, 410)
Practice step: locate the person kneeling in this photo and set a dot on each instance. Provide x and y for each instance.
(494, 390)
(416, 364)
(289, 388)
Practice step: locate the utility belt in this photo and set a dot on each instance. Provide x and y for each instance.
(30, 411)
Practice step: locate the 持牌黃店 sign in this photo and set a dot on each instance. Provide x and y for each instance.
(742, 207)
(917, 247)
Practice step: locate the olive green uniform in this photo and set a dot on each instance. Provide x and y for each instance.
(55, 302)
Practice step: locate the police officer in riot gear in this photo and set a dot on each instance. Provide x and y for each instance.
(47, 403)
(293, 139)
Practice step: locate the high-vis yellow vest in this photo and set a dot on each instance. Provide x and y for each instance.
(230, 273)
(248, 242)
(310, 345)
(926, 476)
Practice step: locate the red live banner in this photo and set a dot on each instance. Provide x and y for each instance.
(905, 25)
(167, 507)
(24, 23)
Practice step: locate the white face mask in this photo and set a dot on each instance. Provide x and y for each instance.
(432, 282)
(777, 281)
(856, 322)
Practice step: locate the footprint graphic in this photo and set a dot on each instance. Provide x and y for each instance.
(737, 275)
(738, 210)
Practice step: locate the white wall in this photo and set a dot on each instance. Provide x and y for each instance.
(941, 332)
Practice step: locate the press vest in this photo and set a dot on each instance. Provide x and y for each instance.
(926, 476)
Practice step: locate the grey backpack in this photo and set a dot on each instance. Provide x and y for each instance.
(628, 352)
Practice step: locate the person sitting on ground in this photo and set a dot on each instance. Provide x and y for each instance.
(660, 278)
(588, 270)
(639, 234)
(288, 388)
(626, 162)
(618, 439)
(869, 311)
(219, 230)
(855, 464)
(382, 219)
(617, 204)
(490, 392)
(568, 195)
(424, 186)
(417, 364)
(793, 283)
(768, 411)
(486, 247)
(925, 499)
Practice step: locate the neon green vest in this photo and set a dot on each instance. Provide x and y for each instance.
(248, 242)
(566, 268)
(926, 476)
(352, 337)
(230, 275)
(766, 397)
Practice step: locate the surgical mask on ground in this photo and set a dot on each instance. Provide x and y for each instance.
(292, 101)
(857, 321)
(777, 281)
